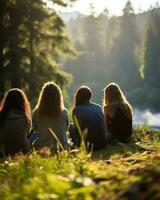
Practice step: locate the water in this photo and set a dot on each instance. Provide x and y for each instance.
(146, 117)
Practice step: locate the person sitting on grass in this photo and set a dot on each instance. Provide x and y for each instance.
(50, 114)
(15, 123)
(118, 114)
(90, 118)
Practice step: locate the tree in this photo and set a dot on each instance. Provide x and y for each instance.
(123, 60)
(4, 18)
(32, 40)
(151, 61)
(93, 34)
(152, 50)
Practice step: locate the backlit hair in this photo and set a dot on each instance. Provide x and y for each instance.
(113, 95)
(15, 99)
(83, 95)
(50, 102)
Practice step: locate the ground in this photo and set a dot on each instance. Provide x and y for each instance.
(117, 172)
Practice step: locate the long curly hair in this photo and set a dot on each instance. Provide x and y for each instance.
(50, 102)
(15, 99)
(113, 95)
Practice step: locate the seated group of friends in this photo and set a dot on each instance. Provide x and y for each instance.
(100, 124)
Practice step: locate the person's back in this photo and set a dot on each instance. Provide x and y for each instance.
(119, 125)
(15, 123)
(14, 133)
(59, 125)
(117, 113)
(90, 117)
(50, 113)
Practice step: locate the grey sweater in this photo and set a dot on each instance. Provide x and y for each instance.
(59, 126)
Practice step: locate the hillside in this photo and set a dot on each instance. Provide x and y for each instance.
(117, 172)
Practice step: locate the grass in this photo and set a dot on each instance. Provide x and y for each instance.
(117, 172)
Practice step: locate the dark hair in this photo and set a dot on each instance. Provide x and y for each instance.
(50, 102)
(83, 95)
(15, 99)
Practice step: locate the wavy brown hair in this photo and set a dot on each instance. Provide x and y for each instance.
(15, 99)
(113, 95)
(83, 95)
(50, 102)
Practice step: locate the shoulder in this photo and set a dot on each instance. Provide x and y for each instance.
(96, 108)
(77, 108)
(87, 106)
(18, 117)
(65, 113)
(16, 114)
(96, 105)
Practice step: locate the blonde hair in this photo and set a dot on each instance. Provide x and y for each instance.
(113, 95)
(50, 102)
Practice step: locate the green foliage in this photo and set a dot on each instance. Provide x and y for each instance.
(150, 62)
(122, 49)
(108, 46)
(152, 50)
(32, 39)
(145, 133)
(123, 53)
(112, 173)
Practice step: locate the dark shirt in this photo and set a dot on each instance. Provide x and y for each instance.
(13, 133)
(90, 117)
(120, 126)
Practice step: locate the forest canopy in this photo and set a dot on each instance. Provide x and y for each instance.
(35, 48)
(123, 49)
(32, 41)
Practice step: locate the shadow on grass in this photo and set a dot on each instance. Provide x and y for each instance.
(119, 149)
(146, 188)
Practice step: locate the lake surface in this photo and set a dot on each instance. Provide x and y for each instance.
(146, 117)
